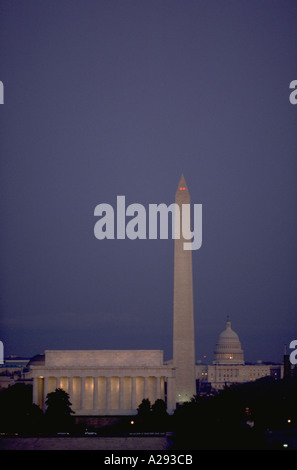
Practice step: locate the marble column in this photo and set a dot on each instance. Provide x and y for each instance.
(70, 388)
(171, 394)
(45, 391)
(133, 397)
(83, 393)
(121, 393)
(158, 388)
(58, 380)
(35, 390)
(145, 391)
(108, 393)
(95, 394)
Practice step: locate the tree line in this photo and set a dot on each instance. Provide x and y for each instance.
(236, 417)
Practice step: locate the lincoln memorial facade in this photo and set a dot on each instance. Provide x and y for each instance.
(104, 382)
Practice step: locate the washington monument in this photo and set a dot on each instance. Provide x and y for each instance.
(183, 311)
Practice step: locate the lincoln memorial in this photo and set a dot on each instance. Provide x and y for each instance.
(104, 382)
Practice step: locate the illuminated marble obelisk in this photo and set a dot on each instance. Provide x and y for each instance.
(183, 311)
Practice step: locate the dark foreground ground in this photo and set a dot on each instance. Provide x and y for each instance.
(84, 443)
(276, 440)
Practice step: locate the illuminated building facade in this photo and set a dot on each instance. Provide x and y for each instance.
(228, 366)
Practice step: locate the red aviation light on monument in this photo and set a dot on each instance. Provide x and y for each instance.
(182, 185)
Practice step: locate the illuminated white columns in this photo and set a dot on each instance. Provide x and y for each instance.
(171, 394)
(121, 393)
(45, 391)
(95, 394)
(145, 390)
(108, 393)
(158, 388)
(101, 394)
(35, 391)
(133, 398)
(83, 393)
(70, 388)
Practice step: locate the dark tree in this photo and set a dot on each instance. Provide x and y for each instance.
(34, 420)
(144, 408)
(159, 415)
(152, 417)
(58, 411)
(159, 408)
(15, 405)
(144, 414)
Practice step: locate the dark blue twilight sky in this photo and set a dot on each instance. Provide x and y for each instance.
(119, 97)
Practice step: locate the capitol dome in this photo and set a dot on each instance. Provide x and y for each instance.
(228, 348)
